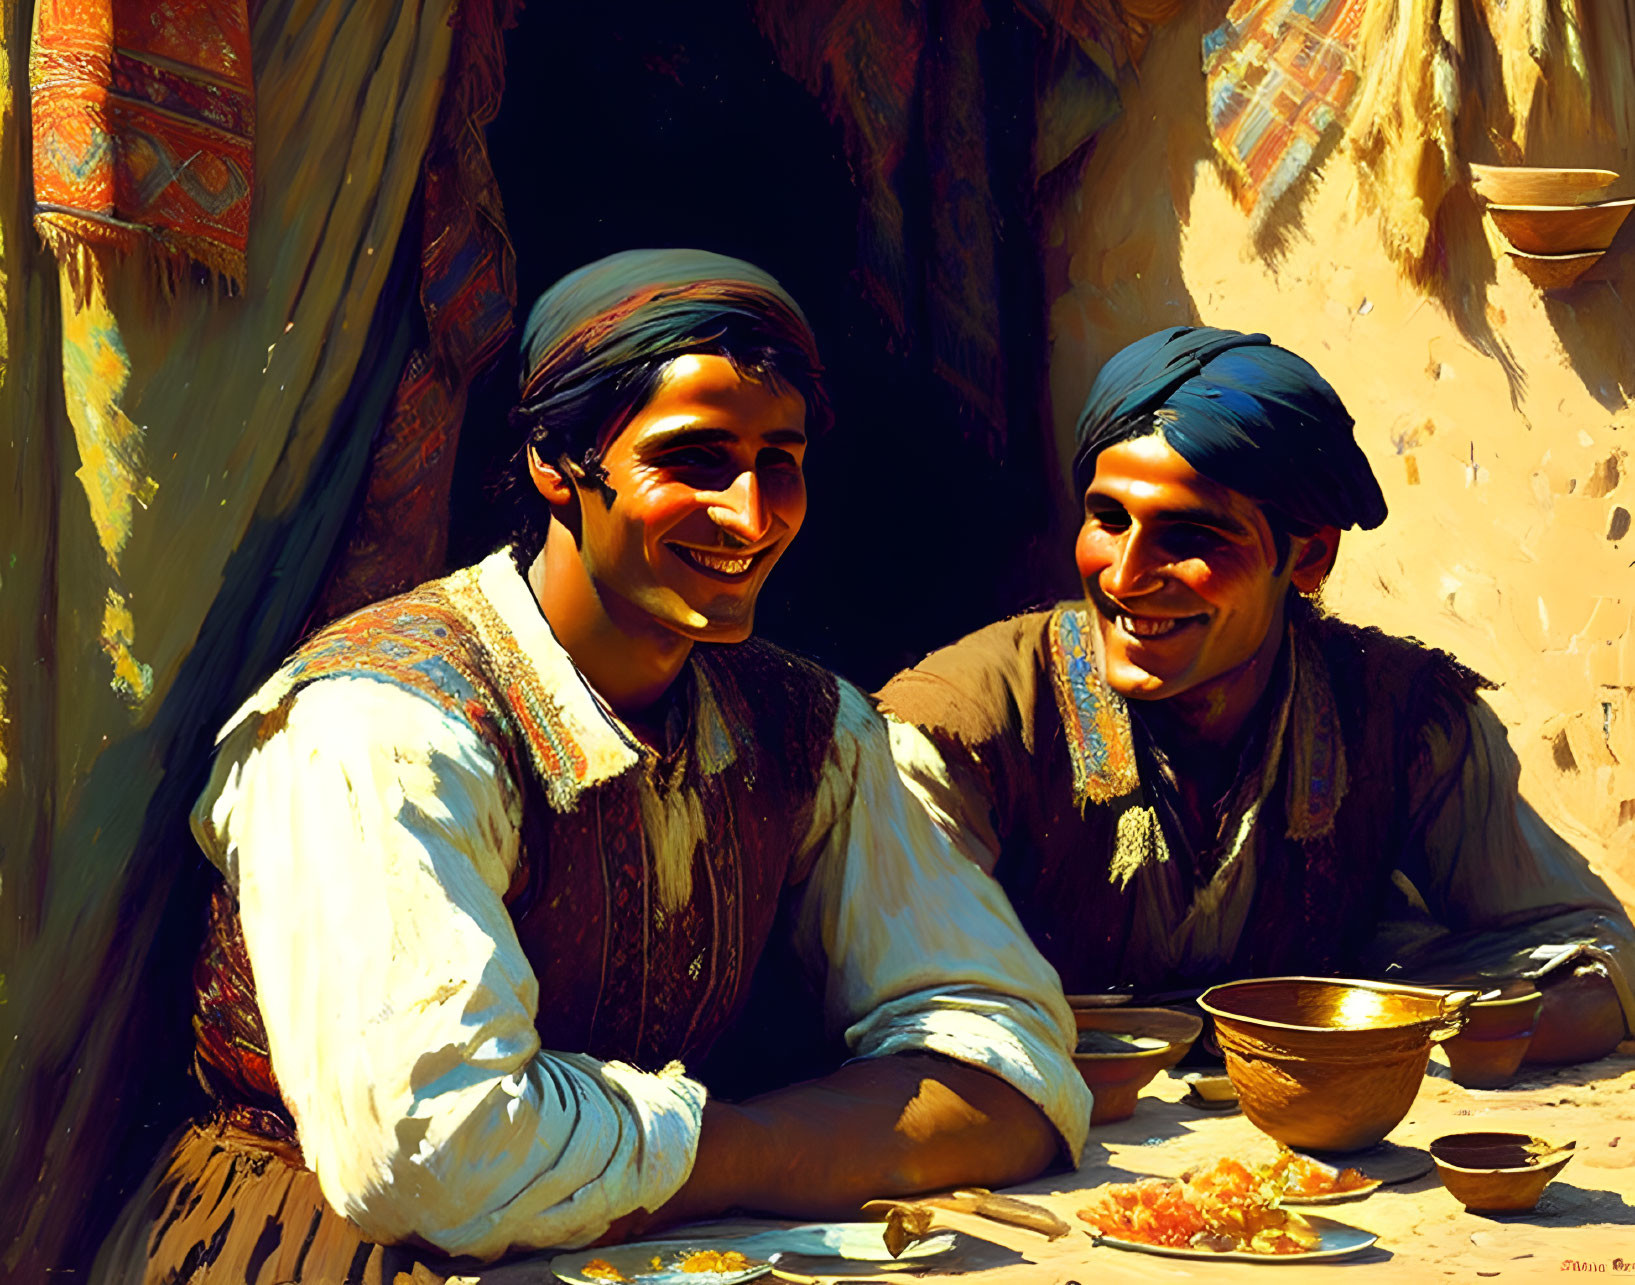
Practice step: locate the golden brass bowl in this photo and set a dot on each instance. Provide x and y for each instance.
(1329, 1064)
(1496, 1036)
(1498, 1173)
(1124, 1048)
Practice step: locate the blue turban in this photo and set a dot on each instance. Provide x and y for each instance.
(1244, 413)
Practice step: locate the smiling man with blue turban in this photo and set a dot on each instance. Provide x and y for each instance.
(1195, 775)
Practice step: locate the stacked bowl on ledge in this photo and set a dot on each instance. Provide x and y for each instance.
(1555, 221)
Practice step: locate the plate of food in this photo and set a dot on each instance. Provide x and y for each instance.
(1307, 1181)
(658, 1262)
(1334, 1240)
(725, 1260)
(1227, 1211)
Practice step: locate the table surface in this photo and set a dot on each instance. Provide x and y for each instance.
(1584, 1222)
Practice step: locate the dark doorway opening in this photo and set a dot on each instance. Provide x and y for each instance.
(652, 124)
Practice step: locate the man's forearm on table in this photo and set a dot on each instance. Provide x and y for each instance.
(883, 1126)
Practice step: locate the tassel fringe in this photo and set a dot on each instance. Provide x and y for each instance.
(87, 248)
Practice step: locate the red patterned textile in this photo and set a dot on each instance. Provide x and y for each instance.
(230, 1056)
(144, 129)
(468, 289)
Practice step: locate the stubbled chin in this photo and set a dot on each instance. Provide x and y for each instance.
(722, 626)
(1147, 689)
(1131, 681)
(697, 621)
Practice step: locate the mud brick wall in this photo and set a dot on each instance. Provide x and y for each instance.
(1497, 418)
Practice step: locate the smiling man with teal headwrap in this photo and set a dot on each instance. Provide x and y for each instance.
(503, 856)
(1195, 775)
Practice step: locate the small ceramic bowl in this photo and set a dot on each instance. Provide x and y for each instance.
(1560, 229)
(1554, 271)
(1539, 185)
(1122, 1049)
(1212, 1090)
(1497, 1032)
(1497, 1173)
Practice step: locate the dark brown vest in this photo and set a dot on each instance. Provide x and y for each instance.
(619, 976)
(1318, 901)
(1048, 726)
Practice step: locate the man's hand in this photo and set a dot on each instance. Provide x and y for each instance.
(1581, 1019)
(887, 1126)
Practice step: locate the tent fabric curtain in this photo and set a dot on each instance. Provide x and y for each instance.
(398, 536)
(954, 112)
(1114, 31)
(951, 111)
(182, 464)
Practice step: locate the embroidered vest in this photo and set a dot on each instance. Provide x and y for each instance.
(621, 975)
(1334, 824)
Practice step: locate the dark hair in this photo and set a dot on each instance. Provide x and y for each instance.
(577, 415)
(1284, 530)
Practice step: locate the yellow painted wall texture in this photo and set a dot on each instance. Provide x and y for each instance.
(1507, 471)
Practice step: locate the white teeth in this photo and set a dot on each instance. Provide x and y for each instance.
(715, 562)
(1146, 627)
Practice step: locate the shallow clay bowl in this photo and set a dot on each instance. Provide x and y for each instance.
(1561, 229)
(1213, 1090)
(1497, 1173)
(1554, 271)
(1124, 1048)
(1329, 1065)
(1497, 1032)
(1538, 185)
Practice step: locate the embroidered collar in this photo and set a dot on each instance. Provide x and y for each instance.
(577, 742)
(1317, 766)
(1093, 715)
(1099, 741)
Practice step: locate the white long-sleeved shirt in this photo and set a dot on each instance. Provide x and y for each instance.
(371, 838)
